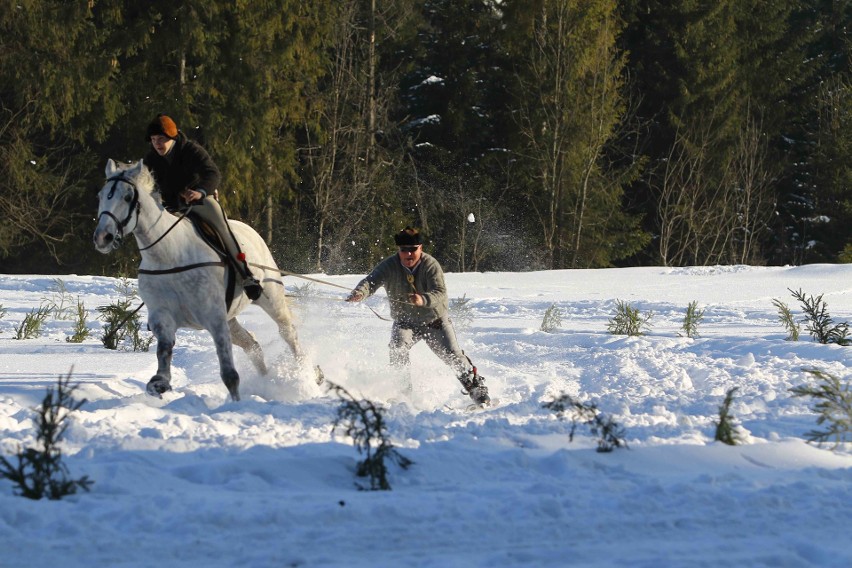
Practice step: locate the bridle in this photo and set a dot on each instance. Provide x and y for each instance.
(135, 207)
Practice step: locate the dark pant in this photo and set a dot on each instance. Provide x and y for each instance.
(210, 213)
(439, 336)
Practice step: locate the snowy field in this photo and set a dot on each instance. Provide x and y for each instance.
(197, 480)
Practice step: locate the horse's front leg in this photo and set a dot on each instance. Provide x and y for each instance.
(224, 350)
(163, 329)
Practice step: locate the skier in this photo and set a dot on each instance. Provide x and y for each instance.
(414, 282)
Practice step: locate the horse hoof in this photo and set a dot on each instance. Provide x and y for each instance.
(156, 387)
(320, 375)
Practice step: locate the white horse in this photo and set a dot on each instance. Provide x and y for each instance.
(182, 279)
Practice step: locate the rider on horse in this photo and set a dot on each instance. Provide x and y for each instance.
(188, 177)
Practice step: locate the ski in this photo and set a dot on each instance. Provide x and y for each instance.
(474, 407)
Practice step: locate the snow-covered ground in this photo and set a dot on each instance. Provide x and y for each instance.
(196, 480)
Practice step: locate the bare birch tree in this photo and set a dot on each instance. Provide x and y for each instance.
(349, 169)
(707, 216)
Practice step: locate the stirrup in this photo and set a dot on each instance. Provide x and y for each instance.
(251, 285)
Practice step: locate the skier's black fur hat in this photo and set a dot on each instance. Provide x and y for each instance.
(408, 237)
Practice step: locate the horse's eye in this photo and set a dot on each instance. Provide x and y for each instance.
(128, 198)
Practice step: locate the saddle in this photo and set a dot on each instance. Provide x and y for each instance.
(209, 235)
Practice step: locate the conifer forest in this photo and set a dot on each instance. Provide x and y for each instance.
(518, 134)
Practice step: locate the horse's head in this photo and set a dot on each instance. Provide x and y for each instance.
(118, 204)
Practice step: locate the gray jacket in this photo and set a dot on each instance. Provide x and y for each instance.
(428, 282)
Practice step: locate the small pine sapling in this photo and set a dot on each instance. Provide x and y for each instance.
(552, 319)
(726, 427)
(40, 472)
(787, 320)
(692, 320)
(819, 323)
(364, 423)
(610, 434)
(81, 328)
(461, 312)
(32, 323)
(122, 323)
(833, 403)
(628, 320)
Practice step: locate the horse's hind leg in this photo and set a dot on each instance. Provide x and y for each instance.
(274, 303)
(279, 311)
(243, 338)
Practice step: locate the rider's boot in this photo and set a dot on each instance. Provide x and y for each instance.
(251, 285)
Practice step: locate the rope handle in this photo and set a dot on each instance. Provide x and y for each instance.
(317, 280)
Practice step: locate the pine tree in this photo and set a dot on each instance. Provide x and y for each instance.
(232, 75)
(797, 63)
(456, 75)
(454, 110)
(832, 170)
(271, 53)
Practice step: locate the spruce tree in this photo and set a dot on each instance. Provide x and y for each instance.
(58, 93)
(716, 81)
(269, 55)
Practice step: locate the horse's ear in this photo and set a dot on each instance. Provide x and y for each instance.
(111, 167)
(137, 167)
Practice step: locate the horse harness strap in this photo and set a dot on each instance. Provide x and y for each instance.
(134, 204)
(229, 278)
(177, 269)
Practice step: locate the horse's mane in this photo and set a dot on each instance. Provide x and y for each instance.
(144, 180)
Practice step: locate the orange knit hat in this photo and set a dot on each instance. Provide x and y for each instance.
(162, 125)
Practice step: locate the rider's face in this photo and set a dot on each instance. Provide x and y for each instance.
(162, 144)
